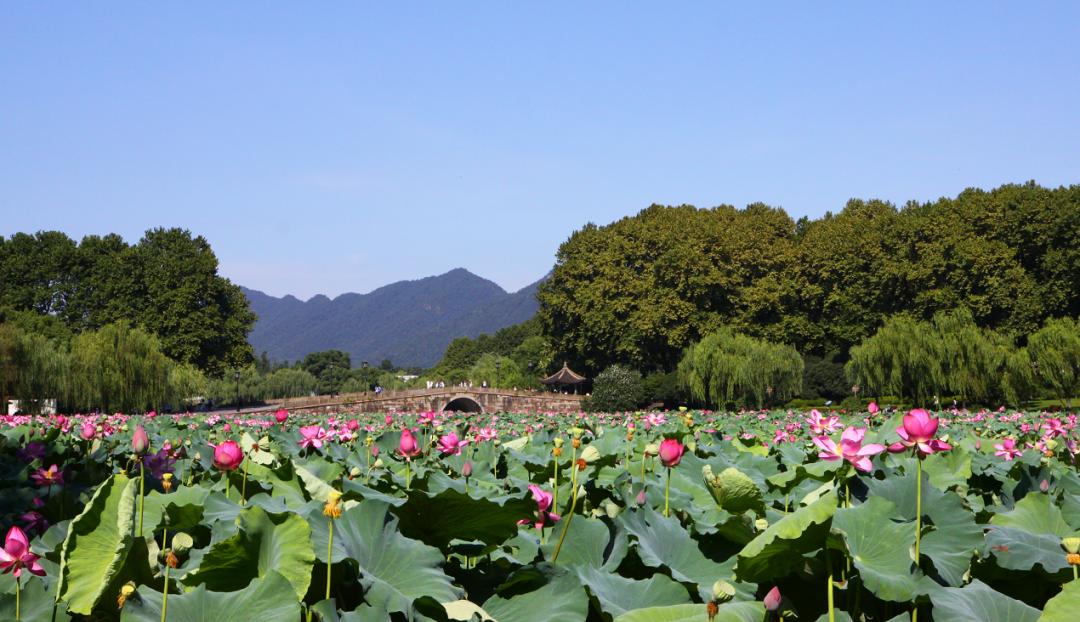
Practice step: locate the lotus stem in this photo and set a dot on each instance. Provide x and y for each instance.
(165, 595)
(243, 485)
(408, 473)
(225, 480)
(142, 495)
(329, 555)
(918, 523)
(18, 593)
(667, 494)
(569, 516)
(555, 488)
(828, 562)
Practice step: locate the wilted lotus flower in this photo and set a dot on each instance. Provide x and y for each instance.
(671, 452)
(544, 518)
(227, 456)
(16, 555)
(140, 442)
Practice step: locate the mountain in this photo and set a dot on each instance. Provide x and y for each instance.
(408, 322)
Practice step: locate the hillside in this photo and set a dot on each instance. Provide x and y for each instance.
(408, 322)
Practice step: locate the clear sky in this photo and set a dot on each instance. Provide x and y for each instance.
(328, 148)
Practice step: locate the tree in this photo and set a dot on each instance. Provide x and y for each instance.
(497, 371)
(330, 367)
(727, 367)
(118, 369)
(1054, 352)
(615, 389)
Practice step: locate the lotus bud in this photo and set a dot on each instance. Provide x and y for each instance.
(722, 591)
(466, 469)
(640, 499)
(590, 454)
(140, 442)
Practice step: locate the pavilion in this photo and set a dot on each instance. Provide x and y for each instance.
(565, 377)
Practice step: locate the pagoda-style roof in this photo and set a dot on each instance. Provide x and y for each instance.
(564, 376)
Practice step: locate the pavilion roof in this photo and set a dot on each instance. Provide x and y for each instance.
(564, 376)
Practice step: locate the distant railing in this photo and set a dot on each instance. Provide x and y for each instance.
(343, 399)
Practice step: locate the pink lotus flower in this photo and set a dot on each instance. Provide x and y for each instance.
(850, 449)
(544, 518)
(51, 476)
(918, 431)
(450, 444)
(873, 408)
(822, 425)
(312, 436)
(1007, 450)
(486, 434)
(407, 446)
(87, 431)
(227, 456)
(671, 452)
(281, 415)
(16, 555)
(772, 599)
(140, 442)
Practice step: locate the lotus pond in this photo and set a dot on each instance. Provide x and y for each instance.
(632, 517)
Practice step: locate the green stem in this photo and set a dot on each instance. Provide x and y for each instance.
(918, 524)
(142, 496)
(329, 556)
(667, 493)
(18, 593)
(243, 485)
(408, 474)
(555, 488)
(1074, 573)
(828, 563)
(165, 594)
(225, 479)
(569, 516)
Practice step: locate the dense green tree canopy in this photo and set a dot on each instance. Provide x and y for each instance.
(727, 368)
(167, 284)
(639, 291)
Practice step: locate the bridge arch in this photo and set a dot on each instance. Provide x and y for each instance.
(463, 403)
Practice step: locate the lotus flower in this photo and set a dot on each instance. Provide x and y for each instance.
(822, 425)
(51, 476)
(87, 431)
(544, 518)
(772, 599)
(918, 431)
(671, 452)
(140, 442)
(850, 448)
(450, 444)
(227, 456)
(873, 408)
(16, 555)
(1007, 449)
(408, 446)
(312, 436)
(281, 415)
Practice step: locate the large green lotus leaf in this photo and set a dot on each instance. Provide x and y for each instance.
(589, 542)
(838, 616)
(947, 469)
(180, 510)
(1035, 513)
(263, 544)
(770, 554)
(617, 594)
(36, 604)
(559, 600)
(1064, 606)
(97, 543)
(1016, 549)
(879, 548)
(978, 602)
(730, 612)
(316, 474)
(822, 470)
(270, 599)
(366, 492)
(452, 515)
(663, 542)
(397, 569)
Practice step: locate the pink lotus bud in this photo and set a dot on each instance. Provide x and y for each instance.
(407, 445)
(140, 442)
(640, 499)
(671, 452)
(87, 431)
(466, 470)
(281, 415)
(228, 456)
(873, 408)
(772, 599)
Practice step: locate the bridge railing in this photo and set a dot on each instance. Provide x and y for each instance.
(342, 399)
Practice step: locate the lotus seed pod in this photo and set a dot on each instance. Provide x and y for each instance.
(378, 464)
(355, 472)
(577, 432)
(723, 591)
(652, 449)
(761, 524)
(691, 447)
(182, 542)
(1072, 544)
(590, 454)
(558, 442)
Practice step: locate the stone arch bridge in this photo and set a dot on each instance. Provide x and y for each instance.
(473, 399)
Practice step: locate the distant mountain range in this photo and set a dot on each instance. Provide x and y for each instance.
(408, 322)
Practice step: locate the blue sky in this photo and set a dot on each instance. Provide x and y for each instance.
(330, 148)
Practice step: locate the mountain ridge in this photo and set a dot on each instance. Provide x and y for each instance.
(409, 322)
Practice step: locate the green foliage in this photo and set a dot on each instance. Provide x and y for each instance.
(727, 367)
(617, 388)
(507, 373)
(329, 367)
(1055, 357)
(823, 378)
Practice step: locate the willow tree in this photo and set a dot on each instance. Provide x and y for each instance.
(289, 382)
(975, 362)
(902, 358)
(33, 368)
(726, 367)
(1055, 356)
(118, 368)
